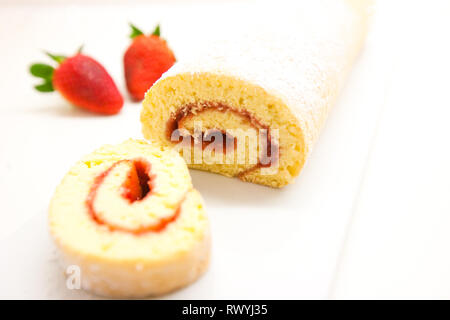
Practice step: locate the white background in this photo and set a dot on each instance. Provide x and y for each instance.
(369, 217)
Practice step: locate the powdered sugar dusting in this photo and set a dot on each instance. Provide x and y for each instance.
(302, 54)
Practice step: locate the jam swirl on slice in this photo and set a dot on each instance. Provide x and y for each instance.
(137, 186)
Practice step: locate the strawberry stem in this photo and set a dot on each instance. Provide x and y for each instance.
(47, 86)
(42, 70)
(135, 31)
(57, 58)
(157, 31)
(45, 72)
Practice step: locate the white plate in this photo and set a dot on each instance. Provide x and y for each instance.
(266, 243)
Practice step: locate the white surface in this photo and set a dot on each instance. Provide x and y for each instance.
(368, 217)
(399, 243)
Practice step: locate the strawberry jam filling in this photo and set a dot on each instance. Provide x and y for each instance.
(137, 186)
(177, 119)
(138, 183)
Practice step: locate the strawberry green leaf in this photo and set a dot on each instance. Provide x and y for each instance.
(157, 31)
(42, 70)
(80, 49)
(57, 58)
(45, 87)
(135, 31)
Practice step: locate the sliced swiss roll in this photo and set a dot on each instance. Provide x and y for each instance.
(128, 217)
(252, 107)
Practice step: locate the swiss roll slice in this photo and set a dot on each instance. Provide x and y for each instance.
(129, 218)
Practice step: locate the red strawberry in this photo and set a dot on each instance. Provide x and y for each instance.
(82, 81)
(145, 60)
